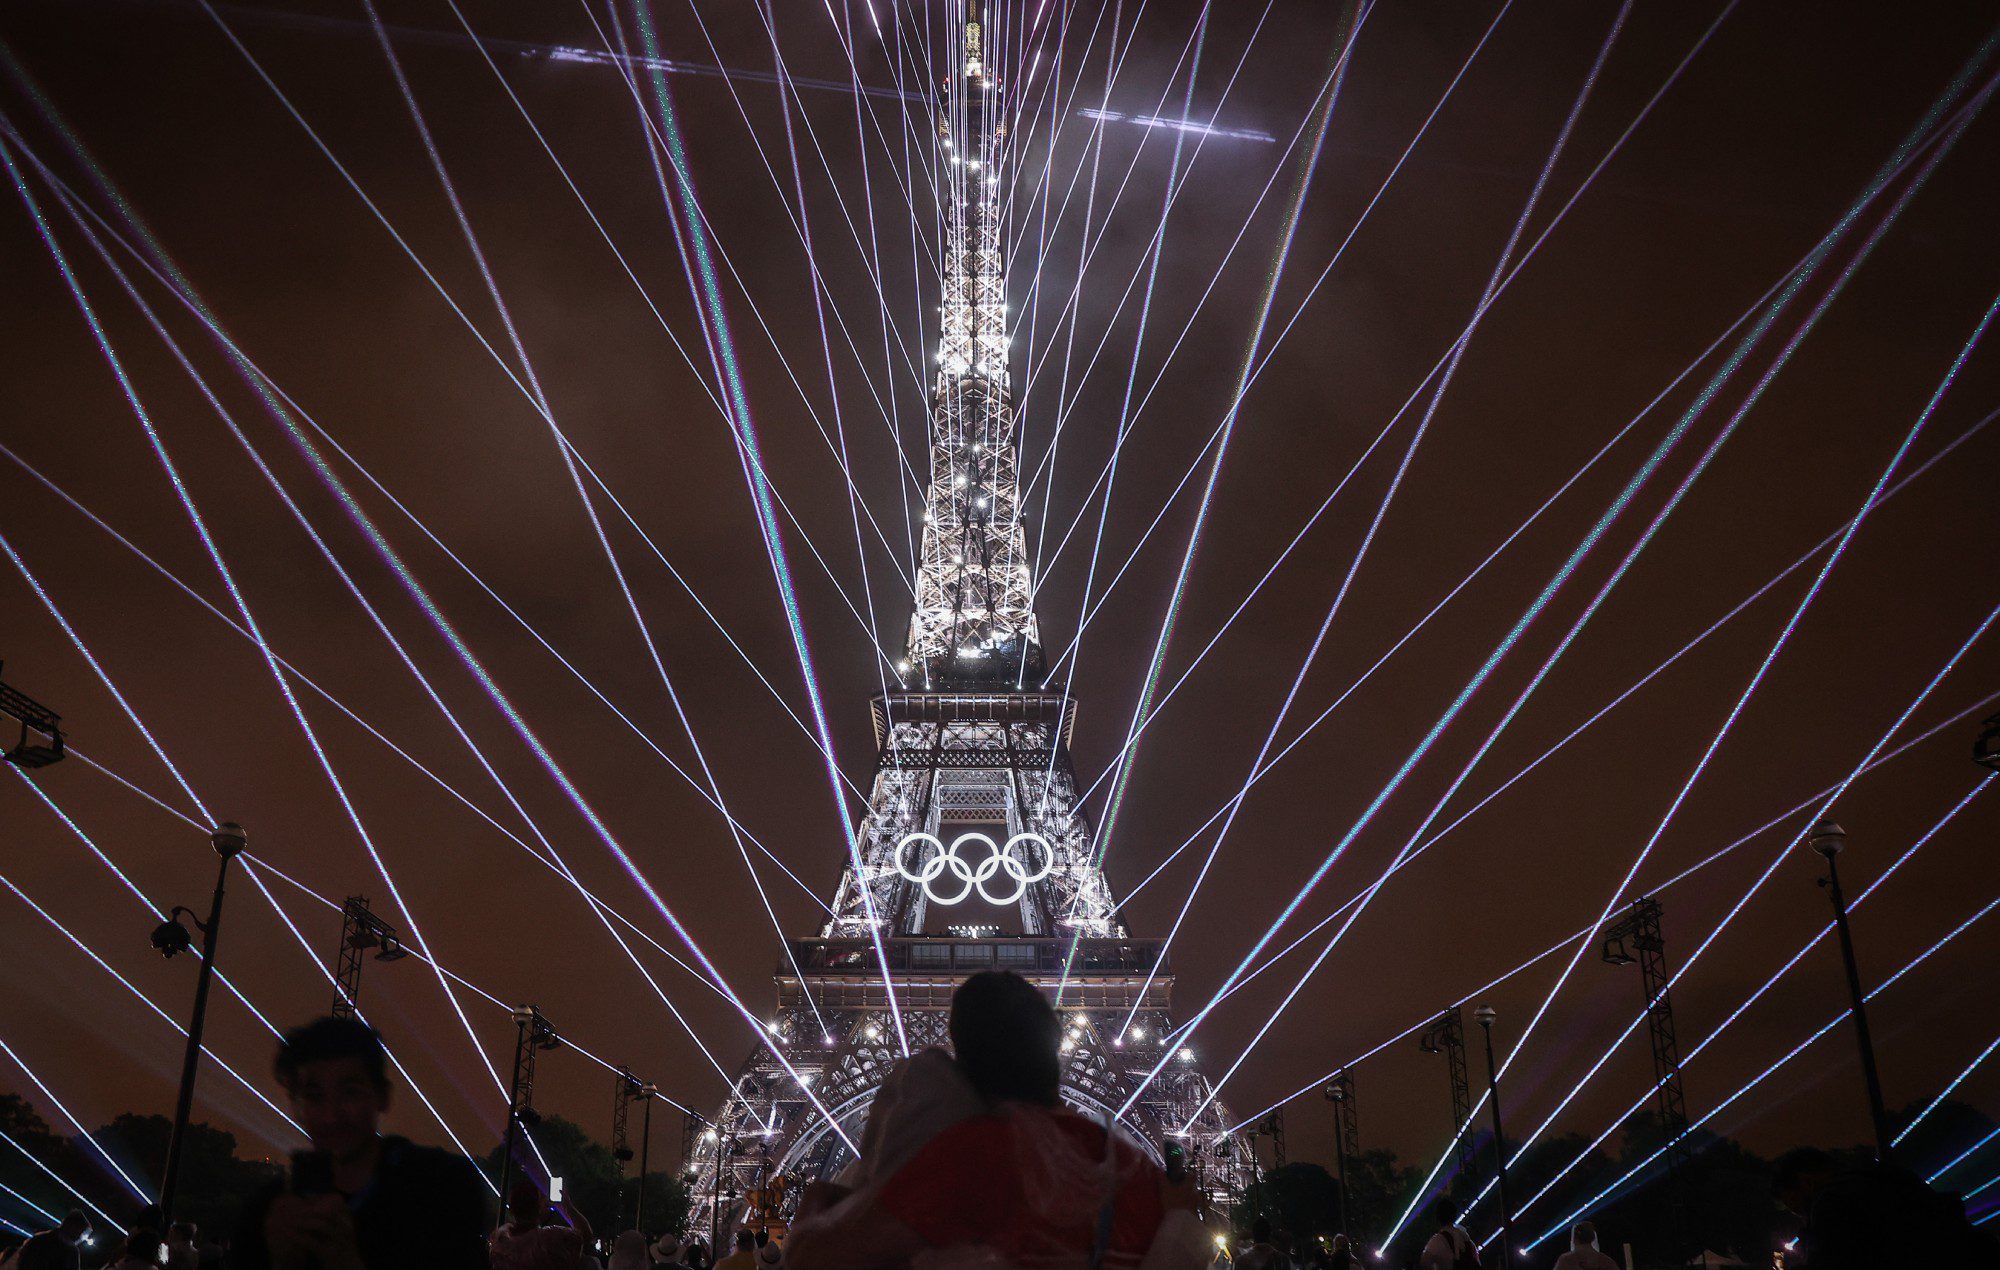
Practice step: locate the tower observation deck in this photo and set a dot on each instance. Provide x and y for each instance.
(974, 854)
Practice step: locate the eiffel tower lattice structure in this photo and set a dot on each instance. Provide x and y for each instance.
(973, 810)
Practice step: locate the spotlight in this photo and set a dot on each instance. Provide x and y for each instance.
(172, 938)
(41, 735)
(1615, 952)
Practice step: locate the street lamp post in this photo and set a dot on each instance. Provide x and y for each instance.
(1484, 1016)
(1827, 839)
(171, 938)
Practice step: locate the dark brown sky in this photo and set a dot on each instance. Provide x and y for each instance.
(1749, 158)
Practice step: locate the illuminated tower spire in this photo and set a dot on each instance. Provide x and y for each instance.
(974, 854)
(974, 622)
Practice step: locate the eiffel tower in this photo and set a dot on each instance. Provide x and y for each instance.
(973, 854)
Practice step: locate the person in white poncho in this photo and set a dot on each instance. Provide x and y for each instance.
(976, 1165)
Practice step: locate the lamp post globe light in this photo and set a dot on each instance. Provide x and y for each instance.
(1827, 840)
(1486, 1016)
(171, 939)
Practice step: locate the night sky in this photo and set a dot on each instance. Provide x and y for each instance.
(1755, 151)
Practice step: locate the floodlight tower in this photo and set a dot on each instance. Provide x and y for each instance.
(534, 1034)
(625, 1088)
(360, 932)
(1346, 1134)
(41, 732)
(1446, 1036)
(647, 1094)
(1638, 932)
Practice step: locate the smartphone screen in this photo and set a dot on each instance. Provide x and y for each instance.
(555, 1190)
(312, 1173)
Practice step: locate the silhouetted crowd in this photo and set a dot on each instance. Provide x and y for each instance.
(966, 1162)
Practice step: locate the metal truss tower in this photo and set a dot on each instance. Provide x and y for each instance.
(533, 1034)
(1638, 932)
(41, 734)
(1346, 1139)
(360, 931)
(973, 854)
(1446, 1036)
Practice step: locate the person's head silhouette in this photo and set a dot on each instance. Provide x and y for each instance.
(1006, 1034)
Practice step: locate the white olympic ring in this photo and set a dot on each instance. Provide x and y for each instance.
(974, 877)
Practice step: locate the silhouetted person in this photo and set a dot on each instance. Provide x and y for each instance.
(1583, 1253)
(1026, 1180)
(527, 1240)
(745, 1255)
(58, 1249)
(1875, 1215)
(358, 1200)
(628, 1252)
(1262, 1254)
(1342, 1255)
(142, 1250)
(1451, 1248)
(181, 1253)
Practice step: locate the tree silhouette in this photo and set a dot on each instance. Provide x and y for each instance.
(595, 1182)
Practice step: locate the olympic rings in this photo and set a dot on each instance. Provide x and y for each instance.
(1000, 859)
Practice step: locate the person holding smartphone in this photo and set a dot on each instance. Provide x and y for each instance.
(539, 1234)
(358, 1200)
